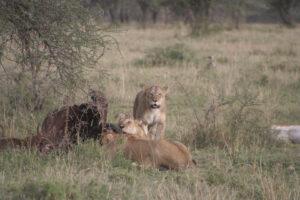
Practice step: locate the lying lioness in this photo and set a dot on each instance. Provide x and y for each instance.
(149, 153)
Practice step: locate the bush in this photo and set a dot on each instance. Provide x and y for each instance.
(95, 190)
(45, 191)
(171, 55)
(233, 120)
(238, 118)
(44, 47)
(40, 190)
(121, 162)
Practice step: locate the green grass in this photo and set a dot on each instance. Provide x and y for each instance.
(177, 54)
(222, 112)
(86, 173)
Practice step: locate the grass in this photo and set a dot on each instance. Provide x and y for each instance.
(177, 54)
(222, 111)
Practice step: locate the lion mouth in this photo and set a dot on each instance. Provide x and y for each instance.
(128, 133)
(155, 106)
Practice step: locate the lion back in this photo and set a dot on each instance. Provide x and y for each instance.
(184, 150)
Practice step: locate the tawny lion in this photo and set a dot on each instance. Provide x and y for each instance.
(149, 153)
(150, 107)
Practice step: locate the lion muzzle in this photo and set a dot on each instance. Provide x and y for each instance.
(155, 106)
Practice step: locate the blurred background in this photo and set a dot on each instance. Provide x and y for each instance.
(199, 13)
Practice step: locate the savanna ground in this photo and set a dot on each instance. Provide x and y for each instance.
(225, 90)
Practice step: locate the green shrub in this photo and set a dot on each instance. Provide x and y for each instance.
(95, 191)
(171, 55)
(43, 191)
(241, 121)
(40, 190)
(45, 45)
(120, 161)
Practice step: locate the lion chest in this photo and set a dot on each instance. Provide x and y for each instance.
(152, 116)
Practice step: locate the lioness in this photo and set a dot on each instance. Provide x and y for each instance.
(150, 107)
(132, 126)
(150, 153)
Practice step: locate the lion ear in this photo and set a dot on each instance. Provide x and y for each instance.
(139, 122)
(121, 116)
(142, 123)
(166, 89)
(143, 86)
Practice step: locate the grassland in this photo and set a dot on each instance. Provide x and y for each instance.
(226, 89)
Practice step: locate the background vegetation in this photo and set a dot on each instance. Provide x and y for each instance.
(199, 14)
(227, 87)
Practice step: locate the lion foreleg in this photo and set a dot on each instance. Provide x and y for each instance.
(158, 131)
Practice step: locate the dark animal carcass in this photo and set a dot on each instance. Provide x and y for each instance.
(68, 125)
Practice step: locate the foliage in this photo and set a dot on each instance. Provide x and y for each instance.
(234, 121)
(236, 9)
(171, 55)
(47, 44)
(284, 7)
(254, 72)
(197, 12)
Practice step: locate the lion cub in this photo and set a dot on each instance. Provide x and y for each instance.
(150, 107)
(132, 126)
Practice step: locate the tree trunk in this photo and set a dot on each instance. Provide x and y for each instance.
(144, 8)
(200, 11)
(154, 16)
(112, 15)
(283, 8)
(286, 17)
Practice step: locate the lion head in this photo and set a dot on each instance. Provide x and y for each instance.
(132, 126)
(155, 96)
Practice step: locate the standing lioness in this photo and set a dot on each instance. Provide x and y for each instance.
(150, 107)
